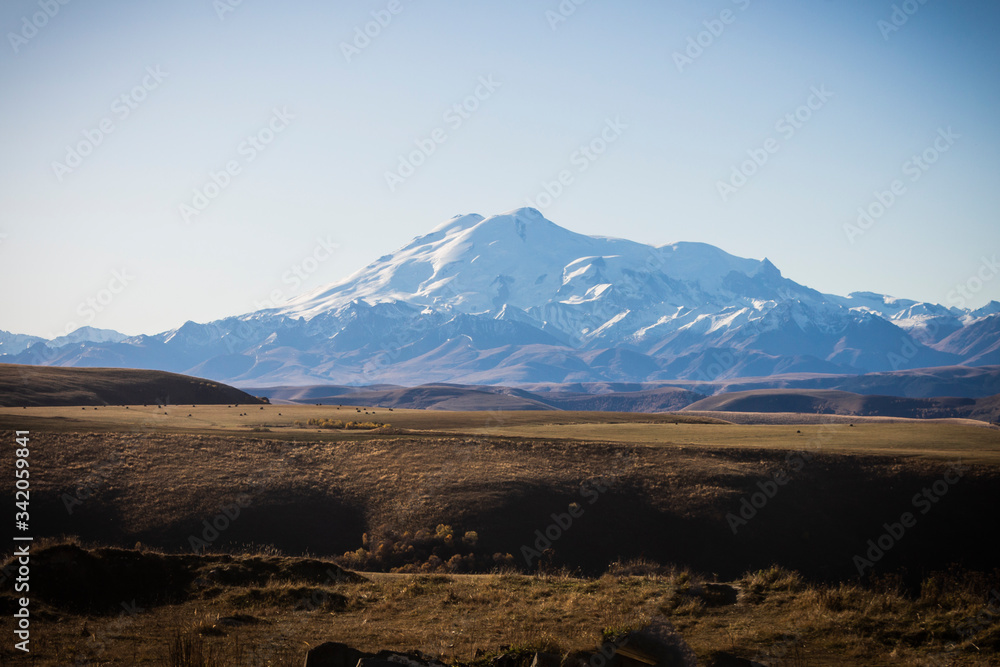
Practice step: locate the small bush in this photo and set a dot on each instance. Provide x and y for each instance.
(422, 551)
(340, 424)
(326, 423)
(774, 578)
(639, 567)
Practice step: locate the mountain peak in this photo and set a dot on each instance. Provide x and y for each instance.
(519, 217)
(992, 308)
(520, 221)
(87, 334)
(471, 264)
(458, 223)
(526, 213)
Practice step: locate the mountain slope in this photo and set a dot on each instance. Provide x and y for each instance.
(12, 343)
(978, 343)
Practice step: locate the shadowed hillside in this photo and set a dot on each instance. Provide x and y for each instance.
(673, 503)
(818, 401)
(50, 386)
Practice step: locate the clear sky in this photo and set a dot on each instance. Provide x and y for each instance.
(329, 123)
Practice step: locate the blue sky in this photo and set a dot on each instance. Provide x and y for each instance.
(329, 127)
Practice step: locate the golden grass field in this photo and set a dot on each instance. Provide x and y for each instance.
(970, 440)
(215, 418)
(148, 477)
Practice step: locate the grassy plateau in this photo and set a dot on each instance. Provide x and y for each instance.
(244, 534)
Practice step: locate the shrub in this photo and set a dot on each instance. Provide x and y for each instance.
(774, 578)
(430, 551)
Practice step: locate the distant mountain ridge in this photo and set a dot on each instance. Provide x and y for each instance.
(11, 344)
(515, 299)
(493, 399)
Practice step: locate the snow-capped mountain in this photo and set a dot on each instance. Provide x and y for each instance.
(87, 335)
(516, 298)
(520, 260)
(11, 343)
